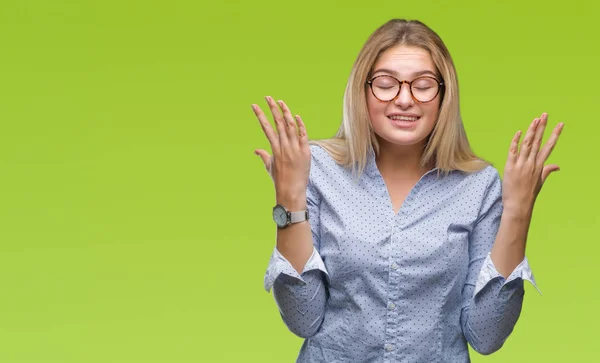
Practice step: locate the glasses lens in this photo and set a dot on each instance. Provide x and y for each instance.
(424, 89)
(385, 88)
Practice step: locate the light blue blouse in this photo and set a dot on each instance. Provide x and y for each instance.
(409, 287)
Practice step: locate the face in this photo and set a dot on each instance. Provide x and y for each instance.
(403, 121)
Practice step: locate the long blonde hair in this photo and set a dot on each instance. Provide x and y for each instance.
(447, 148)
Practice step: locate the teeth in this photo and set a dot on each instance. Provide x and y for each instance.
(403, 118)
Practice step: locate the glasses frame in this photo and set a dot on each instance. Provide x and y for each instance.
(440, 86)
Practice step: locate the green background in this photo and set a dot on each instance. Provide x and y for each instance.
(135, 219)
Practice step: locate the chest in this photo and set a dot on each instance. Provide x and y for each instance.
(425, 237)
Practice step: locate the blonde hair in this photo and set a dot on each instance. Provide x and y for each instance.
(447, 148)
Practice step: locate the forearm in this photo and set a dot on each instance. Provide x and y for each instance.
(492, 315)
(301, 305)
(295, 242)
(509, 247)
(296, 271)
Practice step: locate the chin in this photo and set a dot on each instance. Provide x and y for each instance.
(403, 141)
(401, 137)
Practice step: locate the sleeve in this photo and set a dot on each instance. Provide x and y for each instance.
(300, 297)
(491, 304)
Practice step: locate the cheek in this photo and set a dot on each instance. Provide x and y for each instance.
(376, 108)
(431, 110)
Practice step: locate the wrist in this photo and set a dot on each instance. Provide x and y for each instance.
(517, 213)
(293, 202)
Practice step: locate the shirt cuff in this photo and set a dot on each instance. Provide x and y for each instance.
(280, 265)
(488, 273)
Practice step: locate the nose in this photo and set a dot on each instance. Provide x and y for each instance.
(404, 98)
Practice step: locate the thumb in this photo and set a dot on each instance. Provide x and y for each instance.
(547, 170)
(266, 158)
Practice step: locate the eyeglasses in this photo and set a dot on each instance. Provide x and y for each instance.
(422, 89)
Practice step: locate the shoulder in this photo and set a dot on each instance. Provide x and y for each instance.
(471, 193)
(319, 154)
(317, 151)
(323, 163)
(475, 186)
(325, 172)
(488, 175)
(483, 179)
(486, 186)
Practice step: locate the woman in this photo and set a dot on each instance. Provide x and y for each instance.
(395, 243)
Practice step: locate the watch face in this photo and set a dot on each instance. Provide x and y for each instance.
(280, 216)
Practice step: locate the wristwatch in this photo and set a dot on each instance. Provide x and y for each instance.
(284, 218)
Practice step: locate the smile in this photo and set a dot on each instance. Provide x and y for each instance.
(403, 118)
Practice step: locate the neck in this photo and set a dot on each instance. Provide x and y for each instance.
(397, 160)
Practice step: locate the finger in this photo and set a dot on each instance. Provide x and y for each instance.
(549, 146)
(266, 158)
(528, 140)
(290, 125)
(513, 151)
(266, 127)
(302, 135)
(537, 138)
(547, 170)
(279, 122)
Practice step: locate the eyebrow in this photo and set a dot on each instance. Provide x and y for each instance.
(415, 74)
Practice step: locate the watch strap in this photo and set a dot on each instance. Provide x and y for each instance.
(299, 216)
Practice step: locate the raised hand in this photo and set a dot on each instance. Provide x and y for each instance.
(525, 172)
(290, 163)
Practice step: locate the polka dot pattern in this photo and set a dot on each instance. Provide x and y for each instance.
(415, 286)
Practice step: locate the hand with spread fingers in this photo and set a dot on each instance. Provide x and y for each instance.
(524, 176)
(290, 163)
(525, 172)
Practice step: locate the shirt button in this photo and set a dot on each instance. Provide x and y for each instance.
(391, 306)
(394, 266)
(389, 347)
